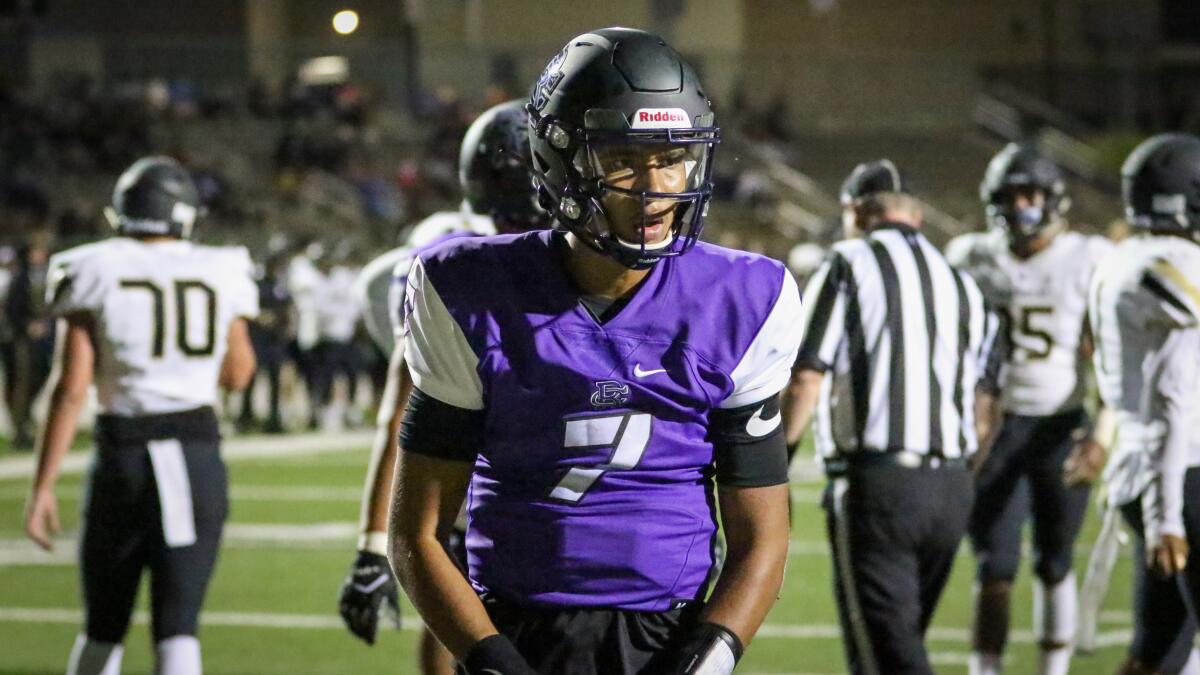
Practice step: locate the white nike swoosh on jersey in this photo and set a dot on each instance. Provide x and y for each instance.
(370, 588)
(638, 372)
(759, 427)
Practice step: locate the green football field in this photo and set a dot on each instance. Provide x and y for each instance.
(271, 606)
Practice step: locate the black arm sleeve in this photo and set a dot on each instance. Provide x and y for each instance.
(431, 427)
(748, 445)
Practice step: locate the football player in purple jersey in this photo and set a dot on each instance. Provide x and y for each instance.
(597, 392)
(498, 197)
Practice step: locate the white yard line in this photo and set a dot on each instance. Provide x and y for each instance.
(807, 495)
(328, 535)
(808, 547)
(949, 658)
(296, 493)
(331, 621)
(253, 447)
(238, 536)
(241, 536)
(248, 493)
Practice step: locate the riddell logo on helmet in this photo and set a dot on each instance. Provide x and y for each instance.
(661, 118)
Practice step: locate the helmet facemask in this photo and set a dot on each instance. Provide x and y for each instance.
(1041, 213)
(635, 194)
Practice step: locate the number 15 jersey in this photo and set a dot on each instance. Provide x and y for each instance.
(594, 483)
(1045, 299)
(161, 311)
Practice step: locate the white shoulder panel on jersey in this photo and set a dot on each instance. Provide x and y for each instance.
(1099, 248)
(74, 283)
(982, 255)
(243, 292)
(959, 250)
(445, 222)
(373, 289)
(767, 364)
(1178, 291)
(441, 362)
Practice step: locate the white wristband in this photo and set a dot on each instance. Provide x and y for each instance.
(373, 542)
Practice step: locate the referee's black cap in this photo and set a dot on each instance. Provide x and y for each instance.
(870, 178)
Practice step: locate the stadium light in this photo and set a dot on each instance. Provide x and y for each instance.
(345, 22)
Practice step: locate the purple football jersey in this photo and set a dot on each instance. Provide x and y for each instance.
(594, 486)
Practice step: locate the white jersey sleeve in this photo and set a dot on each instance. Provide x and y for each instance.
(75, 283)
(374, 289)
(242, 291)
(958, 249)
(439, 358)
(1175, 394)
(767, 364)
(1145, 334)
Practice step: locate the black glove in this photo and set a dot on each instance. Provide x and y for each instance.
(710, 650)
(364, 591)
(496, 655)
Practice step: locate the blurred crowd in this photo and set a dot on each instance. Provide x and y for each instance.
(315, 177)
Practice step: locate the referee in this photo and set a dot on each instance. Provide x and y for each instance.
(895, 347)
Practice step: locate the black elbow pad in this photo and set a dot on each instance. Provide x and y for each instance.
(748, 445)
(431, 427)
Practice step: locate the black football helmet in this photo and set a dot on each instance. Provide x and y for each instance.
(493, 169)
(609, 95)
(154, 197)
(1017, 166)
(1160, 184)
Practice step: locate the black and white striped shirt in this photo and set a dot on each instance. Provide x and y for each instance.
(906, 338)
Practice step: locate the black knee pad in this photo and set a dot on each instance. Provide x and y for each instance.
(997, 566)
(106, 629)
(1053, 567)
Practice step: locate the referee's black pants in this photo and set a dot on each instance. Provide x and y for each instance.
(894, 532)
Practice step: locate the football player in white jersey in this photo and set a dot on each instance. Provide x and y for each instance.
(375, 282)
(1046, 455)
(499, 197)
(158, 324)
(1145, 314)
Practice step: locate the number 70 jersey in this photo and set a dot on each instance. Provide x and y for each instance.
(161, 312)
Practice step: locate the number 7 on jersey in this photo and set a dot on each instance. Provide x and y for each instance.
(628, 434)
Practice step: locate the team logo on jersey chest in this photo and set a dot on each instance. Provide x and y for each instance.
(610, 393)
